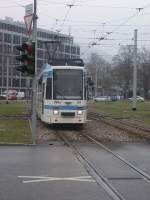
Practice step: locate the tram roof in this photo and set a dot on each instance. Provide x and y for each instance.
(46, 68)
(67, 62)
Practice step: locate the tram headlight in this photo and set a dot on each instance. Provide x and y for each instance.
(56, 112)
(79, 112)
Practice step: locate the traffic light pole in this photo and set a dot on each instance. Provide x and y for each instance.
(34, 85)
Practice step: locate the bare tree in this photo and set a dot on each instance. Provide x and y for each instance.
(123, 69)
(144, 72)
(100, 71)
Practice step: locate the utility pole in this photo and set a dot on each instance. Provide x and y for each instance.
(7, 79)
(34, 86)
(135, 71)
(96, 74)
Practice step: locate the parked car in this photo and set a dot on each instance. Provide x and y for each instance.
(138, 98)
(114, 98)
(102, 98)
(11, 94)
(20, 95)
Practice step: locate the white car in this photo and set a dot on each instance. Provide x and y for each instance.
(138, 98)
(20, 95)
(102, 98)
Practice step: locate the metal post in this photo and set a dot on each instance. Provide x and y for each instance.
(34, 86)
(135, 71)
(7, 79)
(96, 71)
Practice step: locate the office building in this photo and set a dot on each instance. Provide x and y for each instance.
(14, 33)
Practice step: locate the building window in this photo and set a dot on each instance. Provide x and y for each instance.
(0, 59)
(16, 39)
(7, 48)
(40, 44)
(67, 49)
(4, 82)
(73, 50)
(1, 48)
(7, 37)
(0, 69)
(1, 36)
(61, 47)
(78, 51)
(16, 82)
(39, 64)
(15, 51)
(23, 83)
(40, 54)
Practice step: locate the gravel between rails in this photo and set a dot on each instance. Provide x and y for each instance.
(103, 132)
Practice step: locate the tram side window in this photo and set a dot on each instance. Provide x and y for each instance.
(49, 89)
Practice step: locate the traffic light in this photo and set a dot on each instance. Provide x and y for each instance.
(27, 58)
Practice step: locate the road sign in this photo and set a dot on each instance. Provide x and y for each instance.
(28, 9)
(28, 18)
(28, 22)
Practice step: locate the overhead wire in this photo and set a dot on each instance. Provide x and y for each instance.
(93, 5)
(66, 15)
(107, 34)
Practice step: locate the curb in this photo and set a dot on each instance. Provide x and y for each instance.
(17, 144)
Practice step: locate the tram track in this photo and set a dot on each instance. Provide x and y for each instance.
(97, 175)
(130, 126)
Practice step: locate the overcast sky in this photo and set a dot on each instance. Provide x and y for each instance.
(89, 20)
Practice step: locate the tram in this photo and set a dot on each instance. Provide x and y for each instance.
(62, 92)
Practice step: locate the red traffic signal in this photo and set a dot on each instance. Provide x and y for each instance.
(27, 58)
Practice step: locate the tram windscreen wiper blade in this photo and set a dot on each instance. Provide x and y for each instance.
(59, 93)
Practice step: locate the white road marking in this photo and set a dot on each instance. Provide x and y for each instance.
(36, 179)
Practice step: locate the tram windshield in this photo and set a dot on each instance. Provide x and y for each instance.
(68, 84)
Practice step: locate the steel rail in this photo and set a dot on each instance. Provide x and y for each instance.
(127, 126)
(139, 171)
(131, 124)
(99, 178)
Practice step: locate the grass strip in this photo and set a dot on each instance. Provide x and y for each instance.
(123, 109)
(14, 108)
(15, 131)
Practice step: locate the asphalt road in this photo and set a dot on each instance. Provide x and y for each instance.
(54, 172)
(44, 173)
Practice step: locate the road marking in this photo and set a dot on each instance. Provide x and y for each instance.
(36, 179)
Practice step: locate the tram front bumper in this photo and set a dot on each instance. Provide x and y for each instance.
(67, 120)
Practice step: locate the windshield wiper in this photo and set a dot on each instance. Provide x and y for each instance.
(58, 92)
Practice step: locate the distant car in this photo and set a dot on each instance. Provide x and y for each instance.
(138, 98)
(102, 98)
(20, 95)
(114, 98)
(11, 95)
